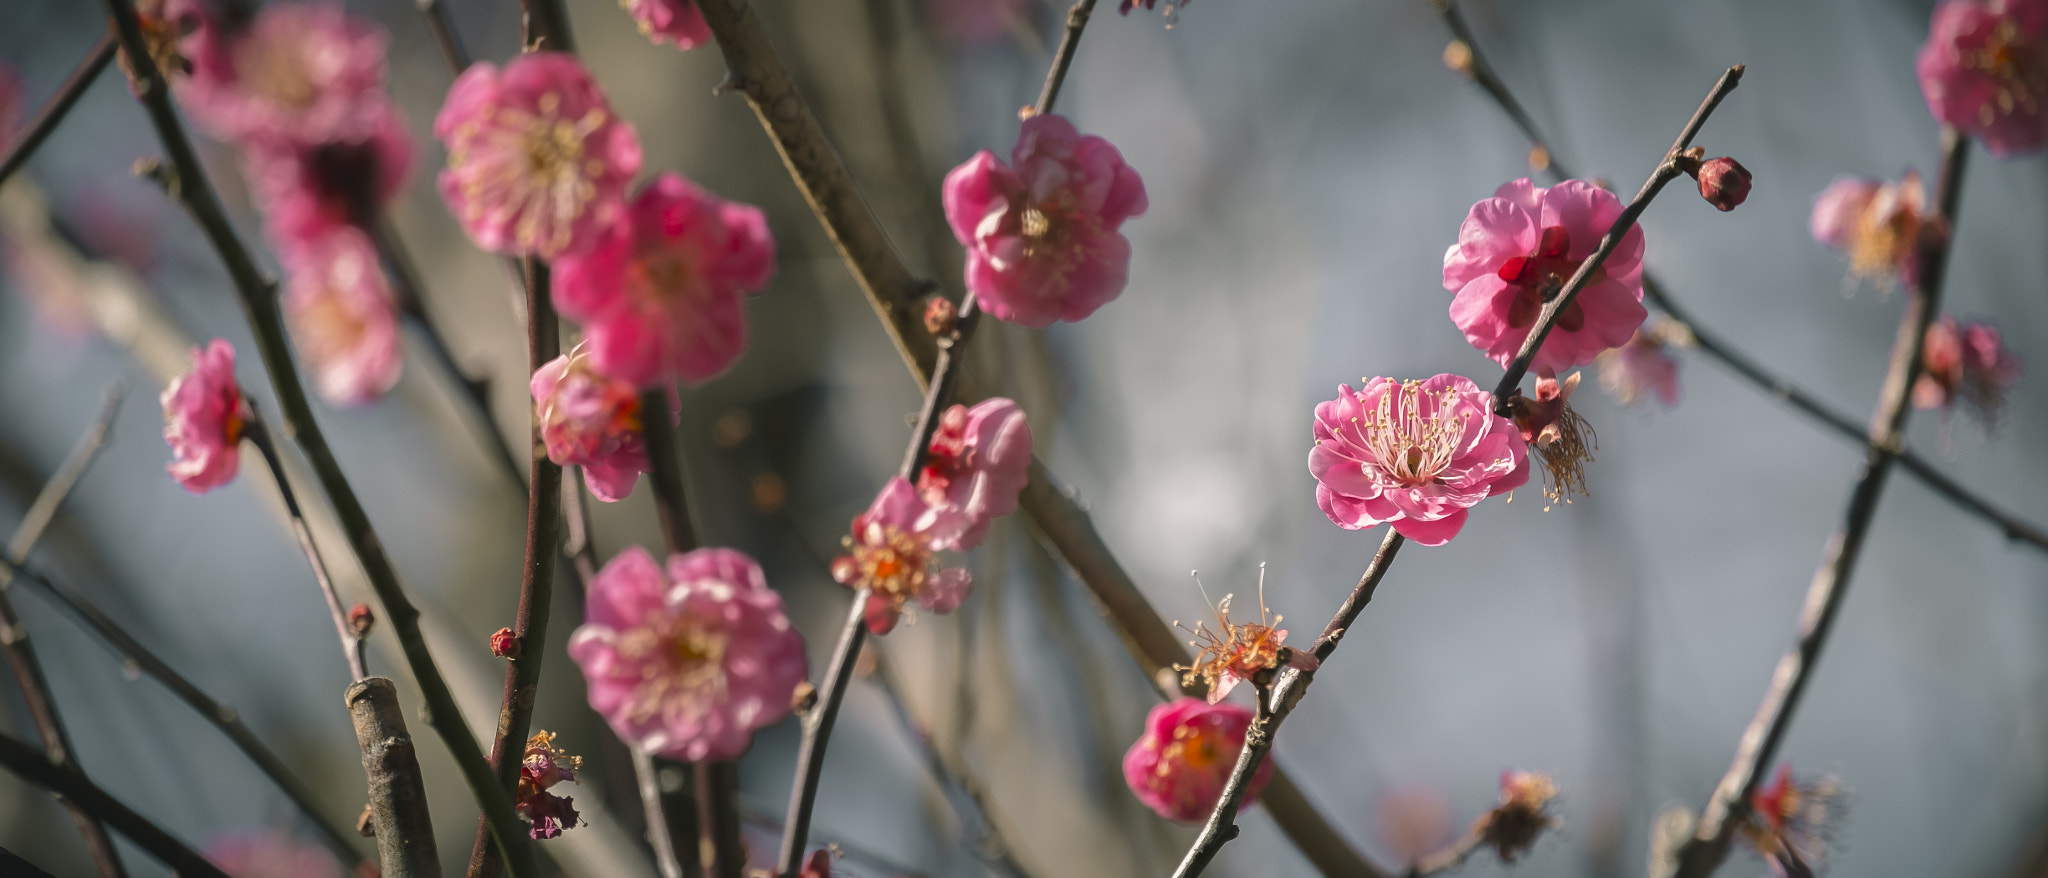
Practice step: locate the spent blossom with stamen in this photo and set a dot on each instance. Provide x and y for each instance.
(1982, 70)
(978, 462)
(892, 552)
(590, 420)
(1877, 223)
(543, 766)
(1414, 454)
(1563, 440)
(203, 419)
(1645, 366)
(1789, 820)
(340, 312)
(1512, 827)
(1180, 765)
(270, 854)
(688, 661)
(1234, 652)
(538, 163)
(306, 72)
(1041, 232)
(1515, 253)
(1965, 363)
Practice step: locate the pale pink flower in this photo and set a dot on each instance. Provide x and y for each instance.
(1982, 71)
(980, 459)
(1041, 232)
(1877, 223)
(1416, 454)
(661, 296)
(975, 22)
(891, 553)
(1515, 252)
(342, 318)
(270, 854)
(297, 71)
(1181, 764)
(670, 21)
(538, 163)
(203, 419)
(690, 661)
(1644, 366)
(590, 420)
(542, 767)
(1966, 363)
(309, 188)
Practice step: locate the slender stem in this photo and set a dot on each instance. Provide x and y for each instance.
(952, 358)
(351, 641)
(1483, 73)
(718, 818)
(23, 760)
(259, 302)
(545, 26)
(665, 473)
(990, 846)
(671, 815)
(1760, 740)
(446, 40)
(1063, 57)
(44, 508)
(59, 104)
(399, 816)
(1447, 858)
(810, 754)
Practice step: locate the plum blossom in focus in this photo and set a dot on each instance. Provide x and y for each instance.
(537, 161)
(270, 854)
(1178, 768)
(1516, 251)
(688, 661)
(203, 419)
(592, 421)
(1982, 71)
(342, 318)
(1233, 652)
(1966, 363)
(979, 460)
(670, 21)
(1788, 822)
(541, 769)
(1878, 224)
(891, 553)
(1645, 366)
(1416, 454)
(662, 295)
(1041, 232)
(306, 72)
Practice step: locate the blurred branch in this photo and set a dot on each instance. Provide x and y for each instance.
(26, 763)
(1760, 740)
(1063, 57)
(351, 639)
(399, 816)
(446, 41)
(59, 104)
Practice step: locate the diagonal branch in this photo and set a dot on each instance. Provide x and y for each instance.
(351, 637)
(54, 110)
(25, 762)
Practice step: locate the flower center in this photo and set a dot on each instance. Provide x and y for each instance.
(329, 328)
(275, 69)
(1191, 748)
(682, 661)
(533, 164)
(1540, 277)
(1409, 436)
(1884, 233)
(2008, 59)
(895, 565)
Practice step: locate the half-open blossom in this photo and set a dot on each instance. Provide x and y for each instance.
(1523, 814)
(1877, 223)
(1982, 71)
(1181, 764)
(298, 71)
(891, 553)
(979, 460)
(308, 188)
(1788, 822)
(1041, 232)
(1966, 363)
(1516, 251)
(1645, 366)
(670, 21)
(342, 318)
(689, 661)
(544, 766)
(1416, 454)
(537, 161)
(203, 419)
(590, 420)
(1234, 652)
(1563, 440)
(660, 296)
(270, 854)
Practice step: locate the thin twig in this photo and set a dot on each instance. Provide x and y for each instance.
(399, 816)
(1447, 858)
(1063, 57)
(1760, 740)
(1479, 71)
(989, 845)
(446, 41)
(545, 26)
(259, 302)
(23, 760)
(59, 104)
(351, 639)
(44, 508)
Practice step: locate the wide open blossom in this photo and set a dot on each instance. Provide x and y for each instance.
(590, 420)
(306, 72)
(1041, 232)
(538, 163)
(892, 553)
(1181, 764)
(661, 296)
(980, 459)
(270, 854)
(1966, 363)
(203, 419)
(541, 768)
(1645, 366)
(1789, 820)
(309, 188)
(690, 661)
(1982, 71)
(670, 21)
(1877, 223)
(1516, 251)
(342, 318)
(1416, 454)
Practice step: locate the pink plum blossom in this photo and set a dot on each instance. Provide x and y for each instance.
(1515, 253)
(1966, 363)
(690, 661)
(270, 854)
(1982, 71)
(1180, 765)
(1877, 223)
(342, 318)
(309, 188)
(979, 460)
(661, 296)
(1041, 232)
(590, 420)
(1415, 454)
(538, 163)
(203, 419)
(670, 21)
(298, 71)
(1644, 366)
(891, 554)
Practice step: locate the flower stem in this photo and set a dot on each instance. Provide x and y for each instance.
(1063, 57)
(59, 104)
(351, 641)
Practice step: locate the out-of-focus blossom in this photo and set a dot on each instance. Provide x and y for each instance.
(203, 419)
(1516, 251)
(541, 769)
(592, 421)
(979, 460)
(1523, 814)
(1563, 440)
(10, 102)
(661, 296)
(1724, 183)
(818, 866)
(1966, 363)
(670, 21)
(1416, 454)
(1041, 232)
(1878, 224)
(1413, 820)
(1645, 366)
(44, 270)
(306, 72)
(538, 163)
(307, 189)
(1982, 71)
(690, 661)
(968, 23)
(1181, 764)
(270, 854)
(891, 553)
(342, 317)
(1789, 820)
(1233, 652)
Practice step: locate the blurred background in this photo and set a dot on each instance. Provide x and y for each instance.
(1307, 163)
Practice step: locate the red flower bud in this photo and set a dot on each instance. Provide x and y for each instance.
(1724, 182)
(940, 315)
(505, 644)
(360, 619)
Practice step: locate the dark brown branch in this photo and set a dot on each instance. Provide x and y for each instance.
(446, 41)
(351, 638)
(23, 760)
(545, 26)
(187, 181)
(1063, 57)
(398, 796)
(1476, 68)
(59, 104)
(1760, 740)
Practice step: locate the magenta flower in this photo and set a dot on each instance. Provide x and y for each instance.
(1982, 71)
(661, 296)
(309, 188)
(542, 767)
(1180, 765)
(342, 318)
(1041, 232)
(299, 71)
(1877, 223)
(891, 553)
(1965, 363)
(203, 419)
(670, 21)
(1643, 367)
(1515, 252)
(590, 420)
(1415, 454)
(537, 161)
(980, 459)
(690, 661)
(270, 854)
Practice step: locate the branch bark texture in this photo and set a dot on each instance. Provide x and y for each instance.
(398, 795)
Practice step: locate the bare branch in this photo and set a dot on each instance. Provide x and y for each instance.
(398, 795)
(26, 763)
(53, 111)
